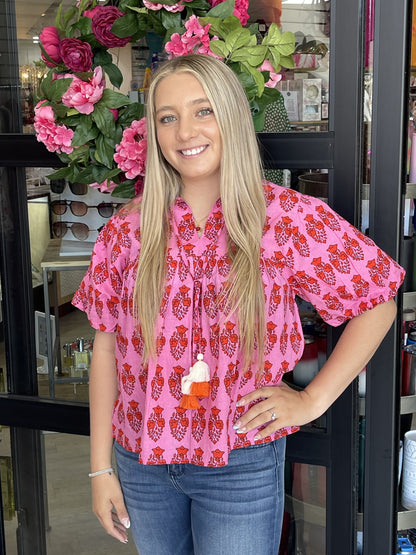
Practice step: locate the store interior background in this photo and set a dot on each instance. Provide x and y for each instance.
(71, 526)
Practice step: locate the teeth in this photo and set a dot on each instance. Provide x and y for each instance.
(193, 151)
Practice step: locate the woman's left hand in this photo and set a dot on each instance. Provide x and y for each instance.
(281, 406)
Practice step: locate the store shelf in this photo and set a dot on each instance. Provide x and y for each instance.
(406, 519)
(407, 405)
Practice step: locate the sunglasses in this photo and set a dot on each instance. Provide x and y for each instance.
(79, 230)
(58, 186)
(79, 208)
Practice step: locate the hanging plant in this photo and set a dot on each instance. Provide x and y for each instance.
(98, 132)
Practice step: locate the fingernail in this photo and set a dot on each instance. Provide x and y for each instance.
(256, 438)
(236, 425)
(240, 403)
(241, 430)
(125, 522)
(126, 540)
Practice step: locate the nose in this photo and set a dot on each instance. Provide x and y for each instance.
(187, 128)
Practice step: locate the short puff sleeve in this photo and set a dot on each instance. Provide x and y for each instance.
(330, 263)
(100, 294)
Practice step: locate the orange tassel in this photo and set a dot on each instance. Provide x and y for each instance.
(189, 402)
(200, 389)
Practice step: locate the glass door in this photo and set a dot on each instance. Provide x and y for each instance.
(317, 148)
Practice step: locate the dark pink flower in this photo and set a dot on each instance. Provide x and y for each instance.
(49, 39)
(115, 113)
(102, 22)
(240, 9)
(76, 54)
(91, 13)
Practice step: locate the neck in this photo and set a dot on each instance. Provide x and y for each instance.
(200, 199)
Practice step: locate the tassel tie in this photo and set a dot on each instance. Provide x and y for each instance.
(196, 384)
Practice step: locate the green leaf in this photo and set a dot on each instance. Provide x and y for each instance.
(252, 55)
(257, 76)
(83, 134)
(105, 150)
(102, 58)
(58, 87)
(86, 176)
(80, 155)
(62, 173)
(83, 25)
(237, 38)
(248, 83)
(219, 48)
(287, 61)
(104, 120)
(114, 99)
(124, 190)
(99, 173)
(70, 14)
(125, 26)
(258, 121)
(60, 111)
(170, 20)
(222, 10)
(114, 74)
(285, 42)
(134, 111)
(274, 57)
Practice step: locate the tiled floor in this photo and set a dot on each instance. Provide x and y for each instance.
(72, 529)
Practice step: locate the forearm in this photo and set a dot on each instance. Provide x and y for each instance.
(357, 344)
(103, 392)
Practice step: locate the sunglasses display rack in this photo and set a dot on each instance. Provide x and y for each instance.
(78, 212)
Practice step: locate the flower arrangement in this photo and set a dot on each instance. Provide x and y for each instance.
(98, 132)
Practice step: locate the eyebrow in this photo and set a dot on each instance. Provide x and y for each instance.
(192, 103)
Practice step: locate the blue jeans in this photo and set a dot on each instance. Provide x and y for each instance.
(183, 509)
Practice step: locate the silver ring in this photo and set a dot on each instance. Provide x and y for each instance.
(273, 414)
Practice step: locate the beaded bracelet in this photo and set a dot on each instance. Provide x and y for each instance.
(104, 471)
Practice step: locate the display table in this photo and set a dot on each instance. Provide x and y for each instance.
(55, 261)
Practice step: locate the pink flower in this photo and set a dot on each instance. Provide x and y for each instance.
(49, 39)
(106, 186)
(131, 153)
(178, 7)
(82, 95)
(274, 77)
(56, 138)
(102, 22)
(194, 40)
(91, 13)
(240, 9)
(115, 113)
(76, 54)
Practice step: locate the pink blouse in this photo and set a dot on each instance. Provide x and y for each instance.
(307, 250)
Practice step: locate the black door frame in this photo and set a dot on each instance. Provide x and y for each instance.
(338, 150)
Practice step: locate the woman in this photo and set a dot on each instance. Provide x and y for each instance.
(184, 286)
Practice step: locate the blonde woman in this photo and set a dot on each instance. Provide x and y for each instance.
(192, 291)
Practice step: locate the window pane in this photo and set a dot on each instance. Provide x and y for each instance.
(304, 524)
(71, 527)
(305, 88)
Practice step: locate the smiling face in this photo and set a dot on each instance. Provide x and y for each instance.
(187, 130)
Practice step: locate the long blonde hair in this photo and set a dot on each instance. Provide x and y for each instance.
(242, 197)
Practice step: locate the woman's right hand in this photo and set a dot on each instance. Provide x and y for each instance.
(108, 506)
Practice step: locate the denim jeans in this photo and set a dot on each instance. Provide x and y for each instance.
(183, 509)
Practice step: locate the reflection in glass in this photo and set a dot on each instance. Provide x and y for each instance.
(71, 527)
(304, 523)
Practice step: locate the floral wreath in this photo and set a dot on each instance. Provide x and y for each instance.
(99, 133)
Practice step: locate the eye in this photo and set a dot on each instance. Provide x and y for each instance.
(205, 112)
(167, 119)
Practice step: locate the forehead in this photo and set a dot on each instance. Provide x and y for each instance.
(178, 86)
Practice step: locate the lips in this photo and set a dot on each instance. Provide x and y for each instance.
(193, 151)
